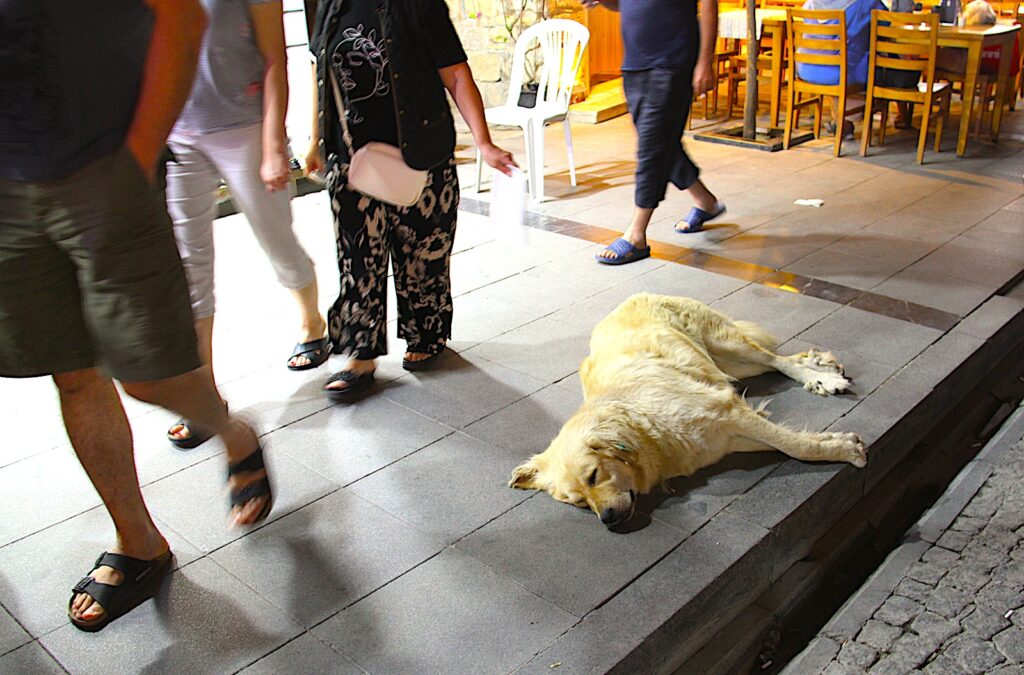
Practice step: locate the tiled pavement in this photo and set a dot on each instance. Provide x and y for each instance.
(394, 545)
(950, 599)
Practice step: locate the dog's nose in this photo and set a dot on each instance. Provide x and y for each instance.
(609, 516)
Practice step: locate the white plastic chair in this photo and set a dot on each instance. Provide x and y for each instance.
(562, 42)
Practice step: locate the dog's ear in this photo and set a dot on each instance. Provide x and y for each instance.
(524, 476)
(614, 449)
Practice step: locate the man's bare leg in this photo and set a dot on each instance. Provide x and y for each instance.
(98, 429)
(702, 197)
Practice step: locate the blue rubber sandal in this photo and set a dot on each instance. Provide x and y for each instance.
(624, 253)
(696, 218)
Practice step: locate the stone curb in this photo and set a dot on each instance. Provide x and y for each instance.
(863, 604)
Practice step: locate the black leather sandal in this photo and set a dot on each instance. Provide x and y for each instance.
(140, 581)
(254, 490)
(356, 385)
(413, 365)
(317, 351)
(196, 435)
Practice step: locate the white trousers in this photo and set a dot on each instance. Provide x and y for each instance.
(192, 184)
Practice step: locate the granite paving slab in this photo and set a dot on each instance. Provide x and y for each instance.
(875, 337)
(342, 544)
(782, 313)
(205, 621)
(12, 635)
(541, 542)
(447, 489)
(347, 442)
(305, 654)
(451, 614)
(547, 349)
(39, 570)
(527, 426)
(30, 658)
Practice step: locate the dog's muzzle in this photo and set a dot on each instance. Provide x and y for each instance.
(614, 515)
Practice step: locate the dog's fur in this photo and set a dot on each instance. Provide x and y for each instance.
(659, 402)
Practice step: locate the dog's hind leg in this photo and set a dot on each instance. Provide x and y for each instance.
(736, 353)
(754, 433)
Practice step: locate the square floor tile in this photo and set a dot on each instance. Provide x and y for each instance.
(346, 442)
(840, 267)
(449, 615)
(205, 620)
(40, 570)
(326, 556)
(560, 537)
(547, 349)
(41, 491)
(447, 489)
(12, 635)
(304, 654)
(925, 285)
(31, 658)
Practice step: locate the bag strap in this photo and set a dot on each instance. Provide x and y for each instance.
(340, 105)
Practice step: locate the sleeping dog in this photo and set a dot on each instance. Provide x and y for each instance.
(659, 402)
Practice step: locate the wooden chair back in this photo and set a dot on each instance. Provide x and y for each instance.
(903, 42)
(782, 4)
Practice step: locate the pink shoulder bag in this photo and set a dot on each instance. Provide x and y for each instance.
(377, 169)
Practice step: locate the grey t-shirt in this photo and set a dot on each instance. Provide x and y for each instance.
(228, 89)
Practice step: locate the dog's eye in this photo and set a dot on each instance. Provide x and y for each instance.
(592, 481)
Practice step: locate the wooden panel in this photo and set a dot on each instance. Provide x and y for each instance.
(605, 48)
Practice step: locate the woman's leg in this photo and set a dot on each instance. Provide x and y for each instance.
(237, 154)
(356, 321)
(192, 182)
(421, 246)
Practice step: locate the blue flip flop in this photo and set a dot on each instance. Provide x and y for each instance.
(696, 218)
(624, 253)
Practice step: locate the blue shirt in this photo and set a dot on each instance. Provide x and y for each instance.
(228, 90)
(70, 73)
(659, 33)
(858, 35)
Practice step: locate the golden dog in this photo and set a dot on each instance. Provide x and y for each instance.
(659, 402)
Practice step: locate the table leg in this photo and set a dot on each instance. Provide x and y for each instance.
(1005, 56)
(970, 82)
(778, 50)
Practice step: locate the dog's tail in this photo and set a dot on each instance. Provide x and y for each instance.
(754, 332)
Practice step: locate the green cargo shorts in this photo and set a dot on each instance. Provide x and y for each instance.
(90, 276)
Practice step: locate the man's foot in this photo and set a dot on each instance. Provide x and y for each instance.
(248, 481)
(848, 129)
(698, 215)
(87, 613)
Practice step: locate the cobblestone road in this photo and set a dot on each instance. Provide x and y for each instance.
(958, 606)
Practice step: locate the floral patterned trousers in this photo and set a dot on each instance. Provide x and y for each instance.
(418, 240)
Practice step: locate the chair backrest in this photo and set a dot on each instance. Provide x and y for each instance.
(816, 37)
(1004, 8)
(901, 41)
(561, 43)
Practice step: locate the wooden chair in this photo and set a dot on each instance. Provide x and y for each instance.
(736, 71)
(816, 38)
(782, 4)
(905, 42)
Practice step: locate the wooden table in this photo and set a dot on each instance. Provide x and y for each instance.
(974, 39)
(733, 24)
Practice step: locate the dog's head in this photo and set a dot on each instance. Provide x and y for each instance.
(591, 464)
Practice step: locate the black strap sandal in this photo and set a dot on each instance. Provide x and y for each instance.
(254, 490)
(196, 435)
(356, 385)
(140, 581)
(413, 365)
(317, 351)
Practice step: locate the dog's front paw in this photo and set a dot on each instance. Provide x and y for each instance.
(845, 447)
(819, 360)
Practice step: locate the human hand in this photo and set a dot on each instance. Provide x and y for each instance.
(314, 159)
(703, 78)
(275, 171)
(499, 159)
